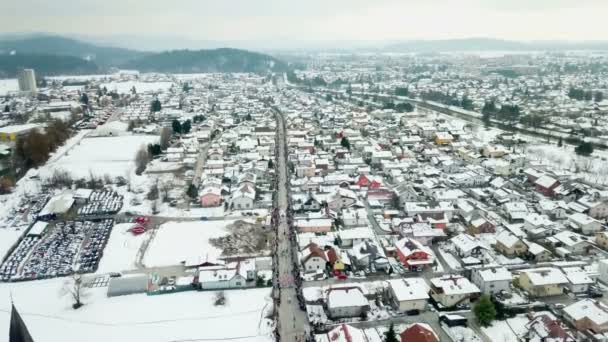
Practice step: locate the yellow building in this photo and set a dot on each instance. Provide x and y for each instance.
(443, 138)
(601, 239)
(509, 244)
(543, 282)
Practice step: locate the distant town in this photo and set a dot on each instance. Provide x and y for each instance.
(358, 197)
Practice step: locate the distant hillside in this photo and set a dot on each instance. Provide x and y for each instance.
(55, 45)
(217, 60)
(45, 65)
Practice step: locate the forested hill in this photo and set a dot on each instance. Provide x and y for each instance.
(45, 65)
(53, 55)
(216, 60)
(61, 46)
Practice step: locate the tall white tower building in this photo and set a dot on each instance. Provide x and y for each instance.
(27, 80)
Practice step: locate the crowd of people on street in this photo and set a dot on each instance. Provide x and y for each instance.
(281, 281)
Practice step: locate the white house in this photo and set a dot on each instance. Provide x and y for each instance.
(586, 224)
(578, 279)
(345, 302)
(492, 280)
(603, 271)
(409, 293)
(220, 277)
(452, 290)
(243, 198)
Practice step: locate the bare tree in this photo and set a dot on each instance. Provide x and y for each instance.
(73, 286)
(142, 157)
(165, 137)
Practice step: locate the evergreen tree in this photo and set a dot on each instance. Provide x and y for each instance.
(599, 96)
(192, 191)
(584, 149)
(390, 335)
(486, 118)
(156, 106)
(7, 109)
(484, 310)
(270, 164)
(177, 127)
(186, 127)
(345, 143)
(84, 99)
(560, 143)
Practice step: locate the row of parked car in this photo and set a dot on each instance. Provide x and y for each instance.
(66, 248)
(10, 267)
(101, 202)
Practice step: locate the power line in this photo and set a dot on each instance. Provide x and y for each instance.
(107, 324)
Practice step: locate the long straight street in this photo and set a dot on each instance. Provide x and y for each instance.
(293, 322)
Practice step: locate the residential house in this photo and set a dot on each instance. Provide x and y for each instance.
(419, 332)
(492, 280)
(537, 252)
(538, 226)
(243, 198)
(542, 282)
(567, 242)
(588, 315)
(409, 294)
(346, 302)
(510, 245)
(222, 277)
(585, 224)
(544, 328)
(546, 185)
(467, 245)
(315, 225)
(601, 239)
(210, 197)
(413, 254)
(578, 279)
(443, 138)
(452, 290)
(313, 258)
(354, 217)
(343, 333)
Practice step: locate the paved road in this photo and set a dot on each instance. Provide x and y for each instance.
(293, 322)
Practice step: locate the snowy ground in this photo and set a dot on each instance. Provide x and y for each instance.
(179, 241)
(500, 331)
(181, 316)
(140, 87)
(462, 334)
(113, 156)
(121, 251)
(8, 85)
(8, 237)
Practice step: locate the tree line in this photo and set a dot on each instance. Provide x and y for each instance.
(585, 95)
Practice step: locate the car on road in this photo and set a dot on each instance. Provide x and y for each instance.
(203, 218)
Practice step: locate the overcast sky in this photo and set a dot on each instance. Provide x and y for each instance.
(313, 19)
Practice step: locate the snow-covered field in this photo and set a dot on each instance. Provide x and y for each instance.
(180, 316)
(121, 251)
(113, 156)
(179, 241)
(593, 169)
(8, 85)
(140, 87)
